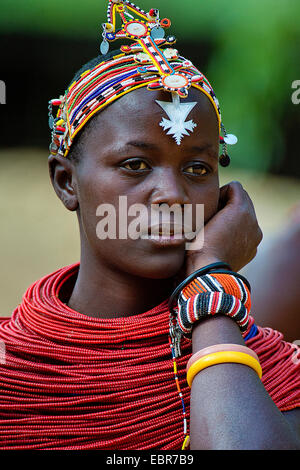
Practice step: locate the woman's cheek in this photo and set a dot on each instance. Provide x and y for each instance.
(211, 203)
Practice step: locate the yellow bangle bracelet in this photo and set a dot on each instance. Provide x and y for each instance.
(221, 358)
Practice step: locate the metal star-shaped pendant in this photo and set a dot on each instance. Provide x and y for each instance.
(177, 113)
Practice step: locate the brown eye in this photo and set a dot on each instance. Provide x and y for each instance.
(136, 165)
(197, 169)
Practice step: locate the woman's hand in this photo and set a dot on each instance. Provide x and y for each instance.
(232, 235)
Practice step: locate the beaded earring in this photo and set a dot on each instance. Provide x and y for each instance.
(226, 139)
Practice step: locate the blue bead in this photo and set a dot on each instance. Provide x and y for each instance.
(252, 332)
(111, 36)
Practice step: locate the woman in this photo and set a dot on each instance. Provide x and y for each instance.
(93, 357)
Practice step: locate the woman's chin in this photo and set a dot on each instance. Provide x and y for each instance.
(161, 267)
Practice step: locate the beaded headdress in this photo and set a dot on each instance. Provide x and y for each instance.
(149, 61)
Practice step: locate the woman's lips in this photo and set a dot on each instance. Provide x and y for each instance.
(166, 235)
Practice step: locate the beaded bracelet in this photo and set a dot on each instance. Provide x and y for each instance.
(214, 267)
(221, 358)
(211, 294)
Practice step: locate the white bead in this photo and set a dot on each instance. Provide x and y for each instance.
(230, 139)
(136, 29)
(170, 53)
(175, 81)
(143, 58)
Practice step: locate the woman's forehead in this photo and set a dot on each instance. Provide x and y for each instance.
(143, 98)
(140, 110)
(137, 117)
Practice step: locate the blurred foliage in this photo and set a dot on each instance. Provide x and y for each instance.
(255, 56)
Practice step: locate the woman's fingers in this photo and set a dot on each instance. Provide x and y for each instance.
(233, 234)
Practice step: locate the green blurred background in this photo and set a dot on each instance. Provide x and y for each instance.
(248, 49)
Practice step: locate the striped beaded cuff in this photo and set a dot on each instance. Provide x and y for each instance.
(212, 294)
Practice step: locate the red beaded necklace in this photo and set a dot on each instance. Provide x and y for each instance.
(75, 382)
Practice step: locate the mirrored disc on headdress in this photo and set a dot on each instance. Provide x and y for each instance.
(158, 33)
(104, 48)
(51, 122)
(230, 139)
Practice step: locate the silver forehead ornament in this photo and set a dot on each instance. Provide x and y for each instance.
(177, 112)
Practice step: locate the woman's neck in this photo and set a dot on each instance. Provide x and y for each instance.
(102, 292)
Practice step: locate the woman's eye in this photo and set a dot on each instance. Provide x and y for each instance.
(136, 165)
(196, 169)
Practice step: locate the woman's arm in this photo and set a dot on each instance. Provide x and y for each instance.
(230, 408)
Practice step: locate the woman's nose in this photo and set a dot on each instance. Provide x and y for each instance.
(169, 189)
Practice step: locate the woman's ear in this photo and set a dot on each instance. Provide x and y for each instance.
(63, 180)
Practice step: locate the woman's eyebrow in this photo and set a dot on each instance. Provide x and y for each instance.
(202, 148)
(141, 145)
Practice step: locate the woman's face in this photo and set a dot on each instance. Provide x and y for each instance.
(127, 153)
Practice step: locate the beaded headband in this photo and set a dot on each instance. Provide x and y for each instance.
(143, 63)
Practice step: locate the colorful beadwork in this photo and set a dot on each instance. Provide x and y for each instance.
(185, 424)
(78, 368)
(212, 294)
(144, 63)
